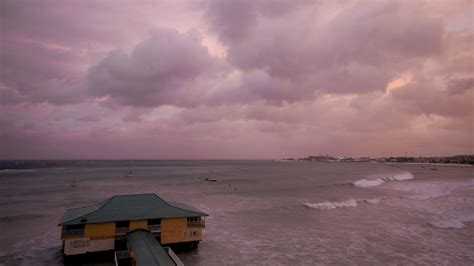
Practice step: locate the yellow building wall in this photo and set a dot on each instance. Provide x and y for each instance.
(139, 224)
(100, 230)
(172, 231)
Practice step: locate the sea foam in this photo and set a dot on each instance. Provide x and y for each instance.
(453, 223)
(328, 205)
(382, 180)
(435, 189)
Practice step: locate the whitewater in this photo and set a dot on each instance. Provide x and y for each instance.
(384, 179)
(260, 212)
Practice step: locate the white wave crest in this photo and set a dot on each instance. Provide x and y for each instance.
(328, 205)
(453, 223)
(368, 183)
(381, 180)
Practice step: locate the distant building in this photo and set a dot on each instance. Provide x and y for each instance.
(319, 158)
(362, 159)
(118, 223)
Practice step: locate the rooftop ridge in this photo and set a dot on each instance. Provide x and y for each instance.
(101, 203)
(75, 208)
(186, 209)
(166, 202)
(101, 207)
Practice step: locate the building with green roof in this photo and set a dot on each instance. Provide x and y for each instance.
(110, 225)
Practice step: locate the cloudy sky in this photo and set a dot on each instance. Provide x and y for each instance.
(241, 79)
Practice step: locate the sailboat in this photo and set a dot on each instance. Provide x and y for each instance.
(209, 179)
(130, 173)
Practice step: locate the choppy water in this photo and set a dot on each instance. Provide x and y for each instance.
(261, 212)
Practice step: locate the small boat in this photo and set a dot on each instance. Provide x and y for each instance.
(209, 179)
(130, 173)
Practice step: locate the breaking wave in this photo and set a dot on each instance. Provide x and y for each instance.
(382, 180)
(329, 205)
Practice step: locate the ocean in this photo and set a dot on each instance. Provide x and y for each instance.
(260, 212)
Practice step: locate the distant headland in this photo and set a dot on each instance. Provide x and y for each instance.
(456, 159)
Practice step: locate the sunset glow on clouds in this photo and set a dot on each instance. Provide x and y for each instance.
(235, 79)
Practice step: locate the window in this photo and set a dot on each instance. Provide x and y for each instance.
(154, 224)
(79, 243)
(122, 224)
(195, 221)
(154, 221)
(120, 244)
(122, 227)
(74, 227)
(191, 233)
(73, 230)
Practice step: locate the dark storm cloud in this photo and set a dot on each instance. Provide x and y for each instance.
(47, 46)
(32, 72)
(75, 23)
(460, 86)
(233, 20)
(164, 69)
(359, 49)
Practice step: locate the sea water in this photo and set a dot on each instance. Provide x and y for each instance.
(260, 212)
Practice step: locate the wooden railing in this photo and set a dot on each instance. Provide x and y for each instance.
(120, 230)
(196, 224)
(122, 254)
(154, 227)
(118, 255)
(73, 233)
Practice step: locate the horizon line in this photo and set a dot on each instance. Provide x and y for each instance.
(220, 159)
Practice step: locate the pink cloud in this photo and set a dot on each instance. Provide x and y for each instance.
(159, 70)
(121, 79)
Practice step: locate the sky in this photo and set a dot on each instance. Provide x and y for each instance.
(240, 79)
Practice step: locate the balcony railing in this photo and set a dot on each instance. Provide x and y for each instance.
(122, 254)
(121, 230)
(119, 255)
(196, 224)
(73, 233)
(154, 227)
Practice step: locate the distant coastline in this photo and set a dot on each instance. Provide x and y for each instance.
(445, 160)
(17, 166)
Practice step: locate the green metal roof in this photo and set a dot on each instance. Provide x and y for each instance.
(128, 207)
(147, 251)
